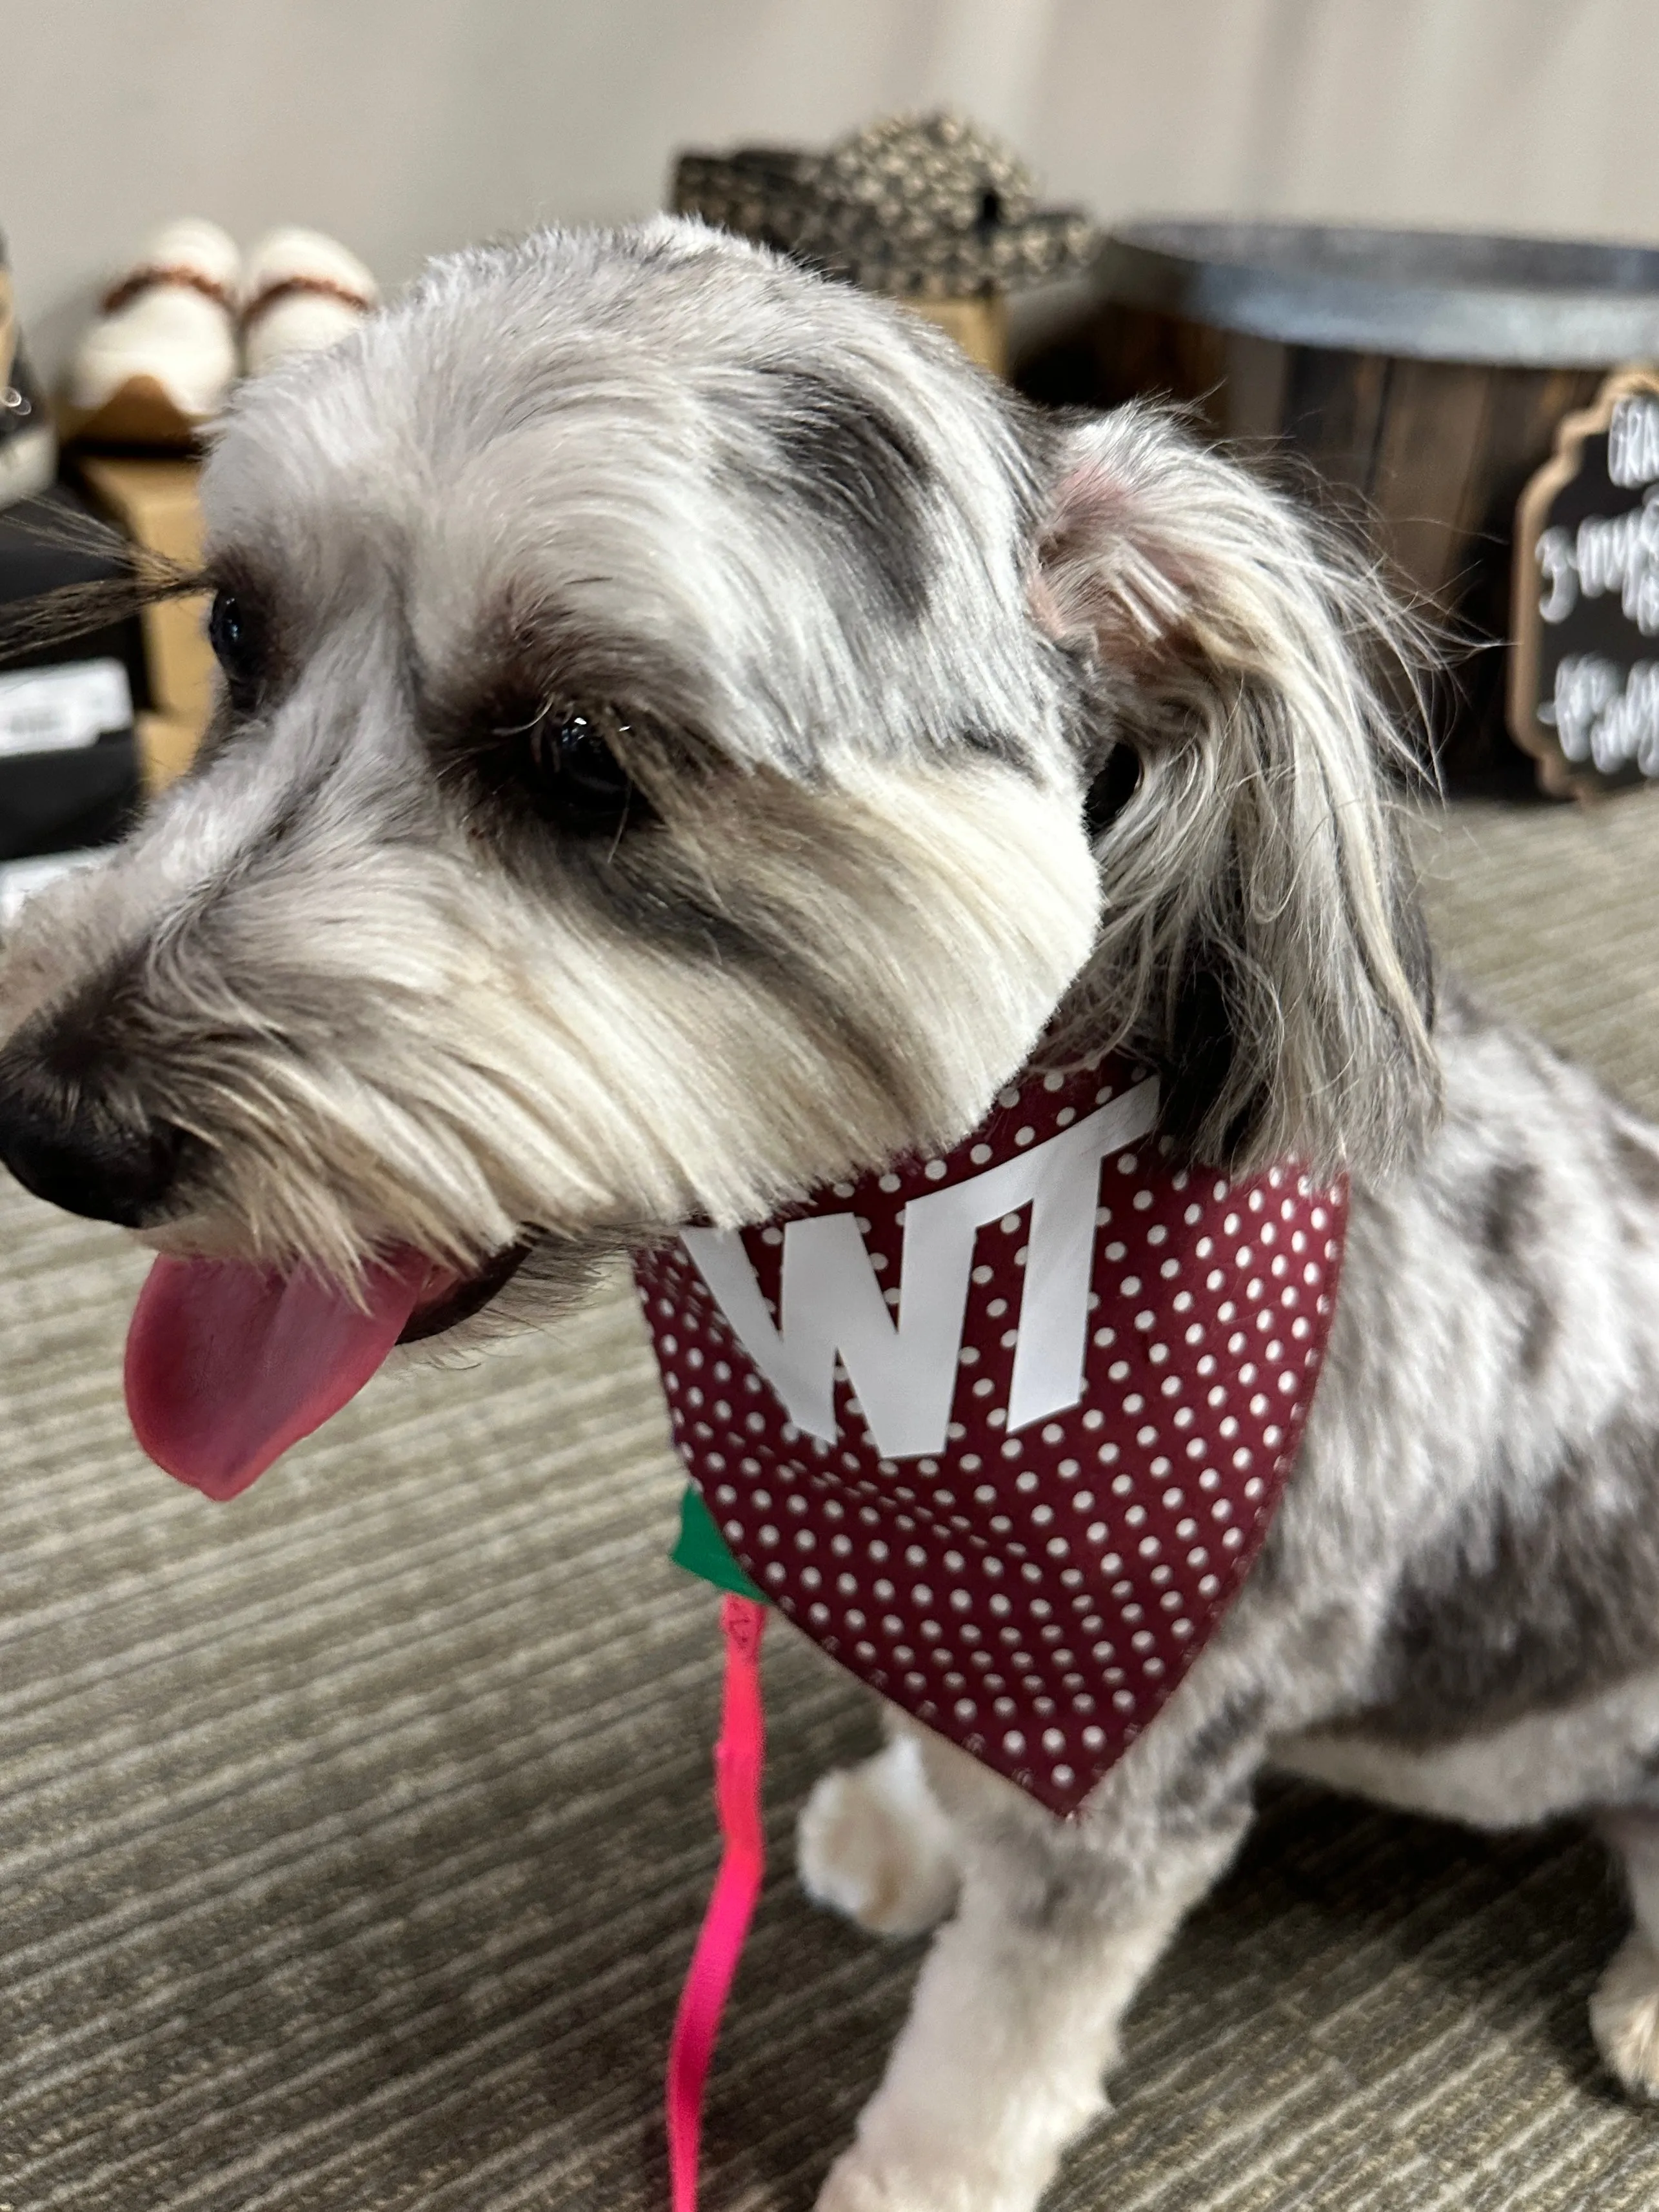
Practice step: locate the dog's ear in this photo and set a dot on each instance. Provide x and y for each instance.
(1262, 942)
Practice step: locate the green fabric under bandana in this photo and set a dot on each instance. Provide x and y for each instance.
(700, 1550)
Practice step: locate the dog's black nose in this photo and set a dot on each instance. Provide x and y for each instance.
(70, 1146)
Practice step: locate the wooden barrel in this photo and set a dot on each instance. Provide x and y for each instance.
(1422, 374)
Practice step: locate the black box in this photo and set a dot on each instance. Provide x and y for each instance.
(74, 796)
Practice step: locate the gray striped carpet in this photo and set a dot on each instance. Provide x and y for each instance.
(353, 1835)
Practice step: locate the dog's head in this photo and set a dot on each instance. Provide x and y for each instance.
(686, 736)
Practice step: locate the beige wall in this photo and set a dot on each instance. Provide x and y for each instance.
(410, 126)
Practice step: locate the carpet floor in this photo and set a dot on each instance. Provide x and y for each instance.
(353, 1837)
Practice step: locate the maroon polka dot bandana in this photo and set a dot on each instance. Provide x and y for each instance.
(1003, 1431)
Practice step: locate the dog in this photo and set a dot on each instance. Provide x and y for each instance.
(685, 737)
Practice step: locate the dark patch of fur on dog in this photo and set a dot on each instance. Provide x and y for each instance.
(1518, 1612)
(860, 474)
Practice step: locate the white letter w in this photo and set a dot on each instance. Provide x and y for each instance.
(904, 1372)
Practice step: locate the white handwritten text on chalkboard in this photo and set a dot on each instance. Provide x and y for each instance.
(1634, 441)
(1584, 664)
(1621, 554)
(1605, 715)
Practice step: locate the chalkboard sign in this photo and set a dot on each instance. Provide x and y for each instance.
(1585, 657)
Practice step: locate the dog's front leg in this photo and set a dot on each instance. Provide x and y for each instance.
(1015, 2018)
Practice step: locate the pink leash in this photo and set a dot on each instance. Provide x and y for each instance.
(738, 1758)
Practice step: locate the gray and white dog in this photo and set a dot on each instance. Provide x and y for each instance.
(685, 737)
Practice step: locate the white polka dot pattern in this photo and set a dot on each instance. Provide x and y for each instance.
(1034, 1596)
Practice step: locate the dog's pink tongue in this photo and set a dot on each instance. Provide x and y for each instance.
(228, 1364)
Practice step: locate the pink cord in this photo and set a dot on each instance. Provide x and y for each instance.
(738, 1758)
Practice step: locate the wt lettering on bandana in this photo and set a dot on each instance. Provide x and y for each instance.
(1003, 1431)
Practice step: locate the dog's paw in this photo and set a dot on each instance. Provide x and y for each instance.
(1625, 2016)
(852, 2184)
(873, 1845)
(858, 2183)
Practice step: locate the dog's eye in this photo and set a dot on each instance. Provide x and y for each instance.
(578, 781)
(237, 636)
